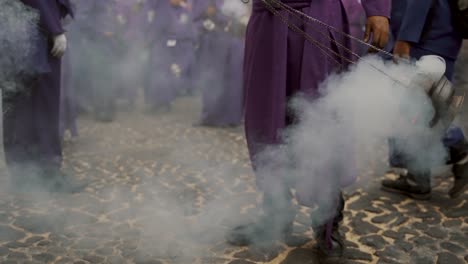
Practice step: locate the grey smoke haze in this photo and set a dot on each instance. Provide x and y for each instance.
(335, 137)
(17, 39)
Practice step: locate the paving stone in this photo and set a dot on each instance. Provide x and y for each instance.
(459, 239)
(401, 219)
(409, 231)
(33, 240)
(355, 254)
(93, 259)
(10, 234)
(41, 224)
(361, 203)
(385, 260)
(86, 243)
(416, 259)
(15, 245)
(424, 241)
(374, 210)
(374, 241)
(105, 251)
(213, 260)
(348, 244)
(4, 251)
(448, 258)
(436, 232)
(406, 246)
(17, 256)
(361, 227)
(455, 212)
(44, 257)
(241, 261)
(259, 254)
(386, 218)
(451, 247)
(301, 255)
(391, 252)
(64, 260)
(116, 260)
(393, 234)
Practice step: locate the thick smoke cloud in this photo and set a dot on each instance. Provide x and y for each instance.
(334, 138)
(338, 135)
(17, 38)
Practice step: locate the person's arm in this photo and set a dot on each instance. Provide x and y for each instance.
(377, 25)
(412, 26)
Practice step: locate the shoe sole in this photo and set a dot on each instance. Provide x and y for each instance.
(457, 192)
(421, 197)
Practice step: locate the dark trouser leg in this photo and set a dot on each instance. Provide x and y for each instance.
(46, 106)
(456, 142)
(275, 224)
(20, 141)
(328, 238)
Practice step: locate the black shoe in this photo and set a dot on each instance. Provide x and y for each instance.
(59, 182)
(329, 247)
(248, 234)
(293, 240)
(66, 185)
(105, 117)
(460, 185)
(408, 186)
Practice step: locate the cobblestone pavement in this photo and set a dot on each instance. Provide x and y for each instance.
(164, 191)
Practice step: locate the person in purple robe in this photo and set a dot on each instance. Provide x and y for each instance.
(132, 17)
(280, 63)
(95, 56)
(212, 53)
(171, 53)
(31, 134)
(223, 102)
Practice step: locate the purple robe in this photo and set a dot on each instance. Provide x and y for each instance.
(68, 111)
(356, 21)
(31, 128)
(212, 55)
(279, 63)
(132, 32)
(171, 54)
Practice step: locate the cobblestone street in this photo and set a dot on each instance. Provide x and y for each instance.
(165, 191)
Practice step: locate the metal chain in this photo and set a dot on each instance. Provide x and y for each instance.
(325, 50)
(317, 21)
(328, 37)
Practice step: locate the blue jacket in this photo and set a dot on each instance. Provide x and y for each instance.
(410, 22)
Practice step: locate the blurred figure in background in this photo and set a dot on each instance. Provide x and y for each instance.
(171, 53)
(133, 28)
(227, 109)
(213, 42)
(95, 55)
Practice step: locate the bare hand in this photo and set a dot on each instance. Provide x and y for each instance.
(378, 27)
(402, 49)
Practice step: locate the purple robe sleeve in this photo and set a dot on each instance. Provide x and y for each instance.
(50, 15)
(377, 7)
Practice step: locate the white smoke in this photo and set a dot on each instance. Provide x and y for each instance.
(235, 8)
(17, 39)
(340, 133)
